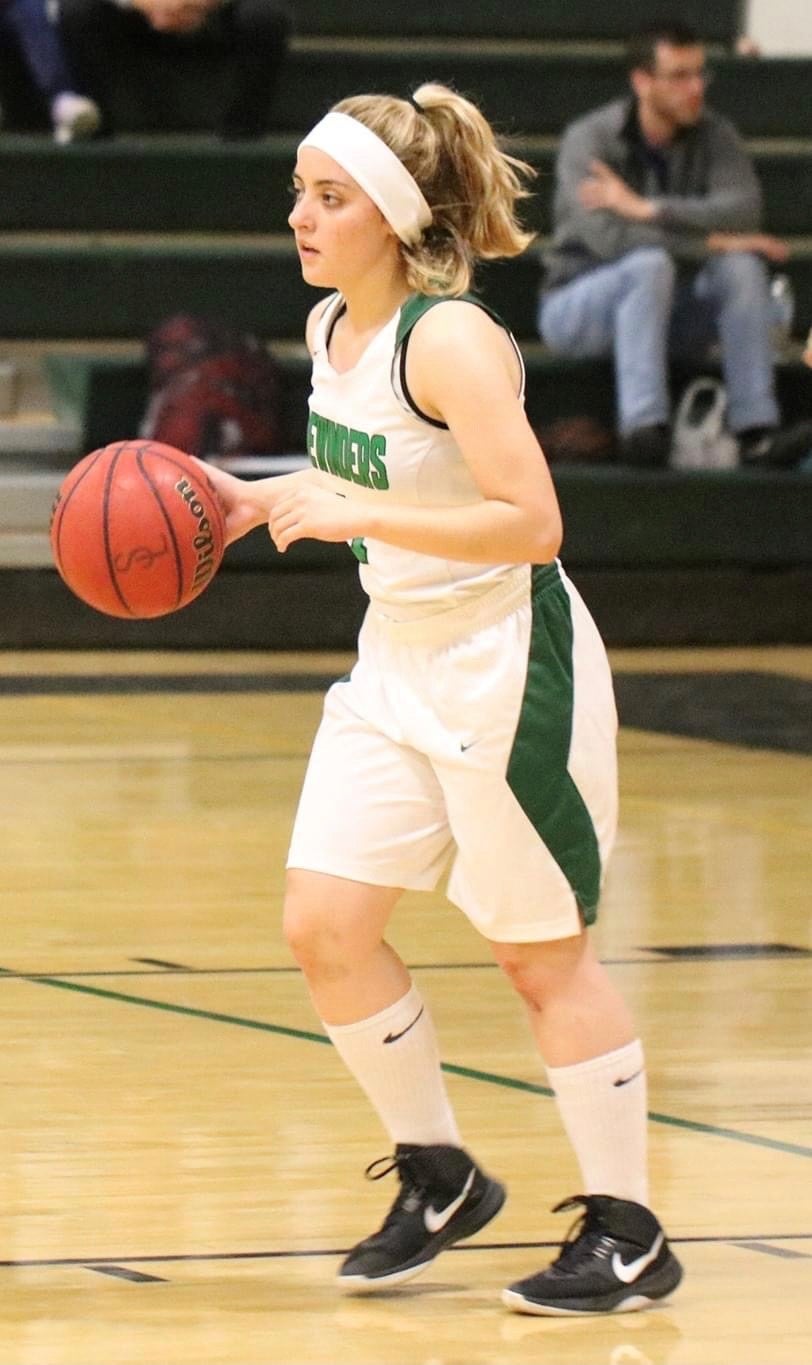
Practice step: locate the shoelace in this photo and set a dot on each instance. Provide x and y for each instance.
(582, 1240)
(401, 1164)
(411, 1190)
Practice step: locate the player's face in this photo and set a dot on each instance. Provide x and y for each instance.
(340, 234)
(675, 90)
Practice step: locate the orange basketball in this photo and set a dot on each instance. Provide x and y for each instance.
(137, 529)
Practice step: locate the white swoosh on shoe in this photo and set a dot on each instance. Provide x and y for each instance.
(435, 1221)
(629, 1273)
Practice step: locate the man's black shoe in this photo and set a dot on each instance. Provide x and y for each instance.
(775, 447)
(646, 447)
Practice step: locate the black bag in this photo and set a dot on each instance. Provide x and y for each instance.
(577, 440)
(213, 390)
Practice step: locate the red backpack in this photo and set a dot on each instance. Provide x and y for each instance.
(212, 390)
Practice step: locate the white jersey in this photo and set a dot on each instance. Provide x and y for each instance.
(368, 441)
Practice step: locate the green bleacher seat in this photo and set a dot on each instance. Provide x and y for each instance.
(187, 183)
(104, 396)
(574, 19)
(523, 88)
(99, 286)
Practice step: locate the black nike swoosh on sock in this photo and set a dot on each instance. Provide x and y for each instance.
(624, 1080)
(393, 1037)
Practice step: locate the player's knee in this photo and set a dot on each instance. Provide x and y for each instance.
(526, 979)
(538, 971)
(307, 935)
(322, 948)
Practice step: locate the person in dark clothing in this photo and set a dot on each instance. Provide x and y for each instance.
(657, 251)
(26, 24)
(106, 38)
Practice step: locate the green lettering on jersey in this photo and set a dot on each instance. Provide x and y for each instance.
(347, 452)
(359, 464)
(335, 437)
(377, 454)
(315, 440)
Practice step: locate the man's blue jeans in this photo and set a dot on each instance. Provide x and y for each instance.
(40, 43)
(641, 310)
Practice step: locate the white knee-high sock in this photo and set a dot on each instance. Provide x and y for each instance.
(394, 1057)
(603, 1106)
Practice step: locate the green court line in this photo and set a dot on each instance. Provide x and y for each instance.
(469, 1073)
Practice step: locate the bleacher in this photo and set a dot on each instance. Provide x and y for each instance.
(100, 241)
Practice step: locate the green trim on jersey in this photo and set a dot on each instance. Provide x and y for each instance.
(537, 770)
(418, 304)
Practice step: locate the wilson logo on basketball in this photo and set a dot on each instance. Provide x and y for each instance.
(203, 542)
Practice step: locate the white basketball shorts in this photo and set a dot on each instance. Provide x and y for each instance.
(483, 741)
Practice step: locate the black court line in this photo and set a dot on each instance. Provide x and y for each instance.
(136, 684)
(121, 1272)
(116, 1263)
(745, 708)
(731, 951)
(734, 952)
(469, 1073)
(768, 1250)
(749, 709)
(85, 758)
(170, 967)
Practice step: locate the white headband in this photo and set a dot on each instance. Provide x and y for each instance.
(380, 173)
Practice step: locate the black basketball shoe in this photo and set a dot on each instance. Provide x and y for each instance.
(443, 1197)
(615, 1259)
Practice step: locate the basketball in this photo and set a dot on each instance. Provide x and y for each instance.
(137, 529)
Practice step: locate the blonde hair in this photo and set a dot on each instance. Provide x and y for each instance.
(471, 184)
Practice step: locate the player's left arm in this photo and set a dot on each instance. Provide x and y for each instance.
(462, 370)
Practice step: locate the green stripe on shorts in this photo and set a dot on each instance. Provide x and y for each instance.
(537, 771)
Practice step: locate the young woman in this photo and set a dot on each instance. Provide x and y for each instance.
(478, 726)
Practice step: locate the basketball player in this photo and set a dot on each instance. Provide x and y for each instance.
(477, 728)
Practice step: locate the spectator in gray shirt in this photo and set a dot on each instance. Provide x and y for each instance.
(657, 251)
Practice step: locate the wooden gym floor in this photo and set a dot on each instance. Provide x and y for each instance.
(183, 1157)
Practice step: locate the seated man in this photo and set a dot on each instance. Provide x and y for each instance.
(105, 37)
(656, 252)
(26, 25)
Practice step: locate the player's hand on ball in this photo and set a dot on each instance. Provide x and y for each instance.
(243, 505)
(302, 511)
